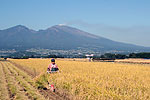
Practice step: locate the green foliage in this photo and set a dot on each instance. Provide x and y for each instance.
(122, 56)
(113, 56)
(66, 86)
(140, 55)
(42, 81)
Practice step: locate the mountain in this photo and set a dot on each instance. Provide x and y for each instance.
(60, 37)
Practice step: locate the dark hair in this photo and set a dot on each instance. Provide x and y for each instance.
(52, 60)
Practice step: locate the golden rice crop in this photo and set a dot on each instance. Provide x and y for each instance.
(97, 80)
(136, 60)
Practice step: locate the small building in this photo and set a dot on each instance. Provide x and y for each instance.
(89, 57)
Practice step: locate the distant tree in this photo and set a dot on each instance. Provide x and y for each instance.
(113, 56)
(132, 55)
(25, 57)
(109, 55)
(143, 55)
(32, 56)
(140, 55)
(120, 56)
(51, 56)
(5, 58)
(102, 56)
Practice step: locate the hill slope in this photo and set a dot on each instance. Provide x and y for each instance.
(59, 37)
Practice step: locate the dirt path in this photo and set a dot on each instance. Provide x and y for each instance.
(24, 81)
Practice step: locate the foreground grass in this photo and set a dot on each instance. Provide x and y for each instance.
(13, 86)
(96, 80)
(26, 82)
(16, 84)
(4, 95)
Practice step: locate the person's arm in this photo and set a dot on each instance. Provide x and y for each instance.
(57, 68)
(49, 67)
(56, 65)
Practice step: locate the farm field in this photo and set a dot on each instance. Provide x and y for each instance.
(15, 84)
(138, 61)
(91, 80)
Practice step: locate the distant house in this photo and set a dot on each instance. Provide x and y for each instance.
(89, 57)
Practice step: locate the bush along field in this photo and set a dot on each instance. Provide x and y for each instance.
(80, 80)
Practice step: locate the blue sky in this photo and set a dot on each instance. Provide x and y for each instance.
(120, 20)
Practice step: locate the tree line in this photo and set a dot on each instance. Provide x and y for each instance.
(145, 55)
(26, 55)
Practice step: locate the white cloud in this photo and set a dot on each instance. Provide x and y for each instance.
(138, 34)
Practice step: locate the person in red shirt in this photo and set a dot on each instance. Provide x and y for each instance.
(52, 67)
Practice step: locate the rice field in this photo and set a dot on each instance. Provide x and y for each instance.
(131, 60)
(94, 80)
(15, 84)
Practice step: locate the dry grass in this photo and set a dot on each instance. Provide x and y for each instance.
(16, 85)
(97, 80)
(4, 95)
(131, 60)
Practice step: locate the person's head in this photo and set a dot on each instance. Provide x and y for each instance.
(53, 61)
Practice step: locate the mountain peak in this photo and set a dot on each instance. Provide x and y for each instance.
(57, 27)
(19, 27)
(61, 25)
(59, 37)
(71, 30)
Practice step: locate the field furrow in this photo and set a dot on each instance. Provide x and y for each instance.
(4, 93)
(16, 92)
(47, 93)
(29, 90)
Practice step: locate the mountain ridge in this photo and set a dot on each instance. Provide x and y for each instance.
(60, 37)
